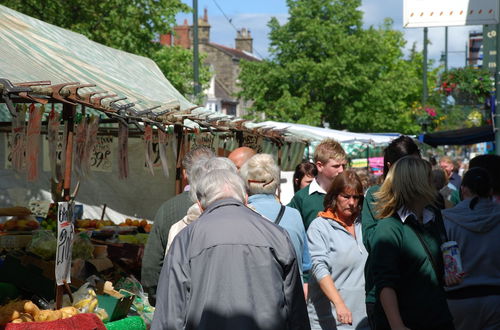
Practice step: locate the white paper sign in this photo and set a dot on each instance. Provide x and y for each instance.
(427, 13)
(65, 233)
(46, 156)
(101, 158)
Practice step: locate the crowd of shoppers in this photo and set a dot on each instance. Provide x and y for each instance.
(343, 254)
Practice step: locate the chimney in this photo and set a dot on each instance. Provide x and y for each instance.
(204, 28)
(166, 39)
(244, 41)
(182, 37)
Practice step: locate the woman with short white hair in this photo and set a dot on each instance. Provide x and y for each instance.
(262, 178)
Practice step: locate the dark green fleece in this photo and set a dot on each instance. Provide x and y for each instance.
(307, 205)
(399, 261)
(369, 224)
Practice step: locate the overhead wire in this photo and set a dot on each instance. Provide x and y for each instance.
(230, 21)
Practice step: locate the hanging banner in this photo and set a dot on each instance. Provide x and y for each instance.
(204, 139)
(91, 141)
(148, 147)
(65, 233)
(52, 144)
(122, 150)
(102, 155)
(8, 152)
(253, 141)
(162, 148)
(18, 139)
(427, 13)
(33, 141)
(80, 141)
(52, 160)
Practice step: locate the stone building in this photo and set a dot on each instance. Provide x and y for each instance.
(224, 63)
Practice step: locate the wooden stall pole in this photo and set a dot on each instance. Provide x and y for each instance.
(69, 116)
(180, 154)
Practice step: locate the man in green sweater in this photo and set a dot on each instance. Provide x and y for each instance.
(169, 213)
(330, 159)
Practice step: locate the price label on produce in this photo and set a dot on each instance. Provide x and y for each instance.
(65, 233)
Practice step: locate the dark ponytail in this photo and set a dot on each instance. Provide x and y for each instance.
(478, 181)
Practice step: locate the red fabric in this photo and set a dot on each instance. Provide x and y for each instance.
(85, 321)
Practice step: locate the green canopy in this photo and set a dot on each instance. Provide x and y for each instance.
(32, 50)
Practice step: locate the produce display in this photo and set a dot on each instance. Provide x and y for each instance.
(93, 223)
(21, 311)
(50, 221)
(100, 248)
(20, 224)
(140, 224)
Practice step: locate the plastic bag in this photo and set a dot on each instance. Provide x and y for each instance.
(140, 304)
(43, 244)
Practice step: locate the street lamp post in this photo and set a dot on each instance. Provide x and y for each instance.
(196, 56)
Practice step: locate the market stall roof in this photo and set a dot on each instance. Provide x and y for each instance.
(463, 136)
(127, 86)
(32, 50)
(318, 133)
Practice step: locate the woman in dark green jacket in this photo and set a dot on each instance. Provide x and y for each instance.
(406, 260)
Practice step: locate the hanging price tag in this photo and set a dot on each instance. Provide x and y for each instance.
(65, 232)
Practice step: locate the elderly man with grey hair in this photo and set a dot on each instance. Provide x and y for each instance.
(262, 178)
(197, 172)
(230, 269)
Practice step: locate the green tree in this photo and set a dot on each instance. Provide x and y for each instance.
(325, 67)
(128, 25)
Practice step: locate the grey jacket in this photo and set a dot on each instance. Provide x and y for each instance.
(230, 269)
(477, 232)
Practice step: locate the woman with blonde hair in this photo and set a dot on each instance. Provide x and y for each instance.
(406, 261)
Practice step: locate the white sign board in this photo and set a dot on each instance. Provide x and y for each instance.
(64, 242)
(103, 154)
(427, 13)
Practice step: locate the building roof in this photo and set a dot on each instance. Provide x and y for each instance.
(239, 54)
(221, 92)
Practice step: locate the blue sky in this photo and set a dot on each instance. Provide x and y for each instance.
(255, 14)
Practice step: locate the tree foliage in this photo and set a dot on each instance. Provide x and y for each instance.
(128, 25)
(326, 68)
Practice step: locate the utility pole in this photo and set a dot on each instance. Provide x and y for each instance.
(445, 49)
(466, 53)
(496, 117)
(424, 75)
(196, 56)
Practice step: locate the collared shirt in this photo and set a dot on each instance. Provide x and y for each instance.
(315, 187)
(404, 213)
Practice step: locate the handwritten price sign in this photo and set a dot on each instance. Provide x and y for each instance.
(101, 158)
(65, 232)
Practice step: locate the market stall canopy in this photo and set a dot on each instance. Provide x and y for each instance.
(318, 133)
(32, 50)
(463, 136)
